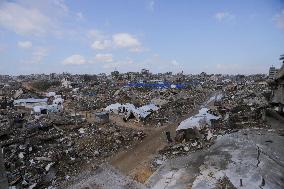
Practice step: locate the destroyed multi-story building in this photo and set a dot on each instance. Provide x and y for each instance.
(278, 89)
(272, 73)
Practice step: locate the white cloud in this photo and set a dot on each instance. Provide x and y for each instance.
(74, 59)
(224, 16)
(25, 44)
(77, 59)
(22, 20)
(279, 19)
(118, 40)
(103, 58)
(101, 44)
(125, 40)
(39, 18)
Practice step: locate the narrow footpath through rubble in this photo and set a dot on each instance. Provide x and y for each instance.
(135, 162)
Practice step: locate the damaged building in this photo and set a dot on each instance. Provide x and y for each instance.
(277, 98)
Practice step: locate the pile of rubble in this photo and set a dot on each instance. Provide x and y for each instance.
(188, 146)
(243, 106)
(48, 138)
(179, 107)
(46, 151)
(239, 107)
(161, 106)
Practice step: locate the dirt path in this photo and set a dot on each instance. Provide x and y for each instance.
(27, 86)
(133, 124)
(135, 162)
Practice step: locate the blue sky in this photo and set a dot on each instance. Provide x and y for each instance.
(95, 36)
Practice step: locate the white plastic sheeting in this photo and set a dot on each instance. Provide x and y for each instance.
(38, 109)
(50, 108)
(29, 100)
(50, 94)
(216, 97)
(56, 106)
(141, 112)
(199, 120)
(58, 101)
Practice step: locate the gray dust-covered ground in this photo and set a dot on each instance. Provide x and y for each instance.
(256, 156)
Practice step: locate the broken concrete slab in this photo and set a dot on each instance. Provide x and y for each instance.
(235, 156)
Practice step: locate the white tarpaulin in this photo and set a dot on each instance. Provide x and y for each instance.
(199, 120)
(140, 112)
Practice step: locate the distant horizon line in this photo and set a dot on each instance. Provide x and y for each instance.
(109, 73)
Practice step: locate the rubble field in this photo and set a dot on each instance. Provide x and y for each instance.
(165, 131)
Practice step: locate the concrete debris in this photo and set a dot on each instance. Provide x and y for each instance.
(47, 147)
(241, 106)
(54, 127)
(101, 117)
